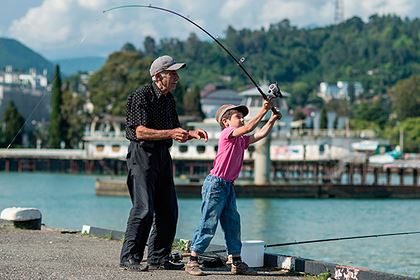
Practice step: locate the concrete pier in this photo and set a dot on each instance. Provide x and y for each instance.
(119, 188)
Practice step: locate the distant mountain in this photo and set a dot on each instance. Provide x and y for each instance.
(71, 66)
(21, 57)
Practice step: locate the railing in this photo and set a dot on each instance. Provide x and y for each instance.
(42, 153)
(327, 133)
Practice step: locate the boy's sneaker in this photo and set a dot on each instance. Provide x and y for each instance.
(241, 268)
(193, 268)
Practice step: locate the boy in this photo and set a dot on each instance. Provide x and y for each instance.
(219, 200)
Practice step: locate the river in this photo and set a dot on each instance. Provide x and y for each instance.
(69, 201)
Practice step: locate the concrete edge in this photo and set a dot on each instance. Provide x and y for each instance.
(338, 272)
(102, 232)
(298, 264)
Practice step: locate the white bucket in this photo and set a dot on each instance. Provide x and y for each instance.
(253, 252)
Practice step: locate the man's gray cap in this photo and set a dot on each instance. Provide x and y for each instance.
(164, 63)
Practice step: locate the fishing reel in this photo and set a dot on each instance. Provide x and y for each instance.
(274, 90)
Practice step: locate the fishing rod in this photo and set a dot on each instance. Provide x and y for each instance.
(273, 88)
(329, 239)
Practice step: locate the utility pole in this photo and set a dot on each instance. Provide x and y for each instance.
(338, 11)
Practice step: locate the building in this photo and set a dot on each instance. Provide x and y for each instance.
(341, 90)
(28, 91)
(213, 96)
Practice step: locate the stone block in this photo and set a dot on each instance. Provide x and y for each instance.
(25, 218)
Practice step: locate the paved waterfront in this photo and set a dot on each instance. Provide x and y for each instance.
(55, 254)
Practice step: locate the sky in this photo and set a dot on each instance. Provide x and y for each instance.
(60, 29)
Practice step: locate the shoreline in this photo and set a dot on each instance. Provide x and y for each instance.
(61, 254)
(54, 253)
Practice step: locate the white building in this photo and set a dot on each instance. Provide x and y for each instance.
(25, 90)
(31, 79)
(341, 90)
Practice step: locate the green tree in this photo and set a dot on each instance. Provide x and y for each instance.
(191, 103)
(110, 86)
(378, 53)
(13, 123)
(2, 136)
(128, 47)
(323, 119)
(405, 98)
(299, 98)
(410, 127)
(335, 124)
(57, 125)
(371, 111)
(358, 124)
(149, 45)
(299, 116)
(75, 117)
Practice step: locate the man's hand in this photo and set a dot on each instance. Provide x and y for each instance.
(179, 134)
(198, 134)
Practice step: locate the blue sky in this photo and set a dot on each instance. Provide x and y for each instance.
(76, 28)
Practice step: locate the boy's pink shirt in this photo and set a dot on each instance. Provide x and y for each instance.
(230, 155)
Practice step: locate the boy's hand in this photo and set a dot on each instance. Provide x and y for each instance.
(268, 103)
(275, 117)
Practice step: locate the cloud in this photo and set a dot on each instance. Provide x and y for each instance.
(364, 9)
(69, 28)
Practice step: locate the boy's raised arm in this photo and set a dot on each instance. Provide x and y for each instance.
(252, 124)
(263, 132)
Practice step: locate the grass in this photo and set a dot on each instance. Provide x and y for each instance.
(321, 276)
(182, 245)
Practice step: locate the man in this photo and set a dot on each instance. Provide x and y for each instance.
(152, 125)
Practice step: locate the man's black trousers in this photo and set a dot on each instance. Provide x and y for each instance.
(152, 191)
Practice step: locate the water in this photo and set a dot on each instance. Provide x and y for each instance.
(69, 201)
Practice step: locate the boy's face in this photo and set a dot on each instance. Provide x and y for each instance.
(236, 120)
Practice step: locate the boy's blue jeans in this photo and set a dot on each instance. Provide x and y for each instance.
(219, 203)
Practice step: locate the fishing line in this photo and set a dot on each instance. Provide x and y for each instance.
(238, 62)
(328, 240)
(27, 119)
(341, 238)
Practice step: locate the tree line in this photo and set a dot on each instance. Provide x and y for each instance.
(381, 53)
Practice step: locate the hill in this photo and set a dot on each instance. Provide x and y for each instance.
(70, 66)
(21, 57)
(377, 53)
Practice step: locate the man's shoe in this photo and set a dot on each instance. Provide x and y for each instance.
(241, 268)
(193, 268)
(167, 265)
(133, 264)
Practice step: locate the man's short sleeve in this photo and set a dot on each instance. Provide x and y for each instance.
(137, 109)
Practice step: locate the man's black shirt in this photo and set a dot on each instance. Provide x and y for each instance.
(147, 106)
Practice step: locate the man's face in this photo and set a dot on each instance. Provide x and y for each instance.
(169, 80)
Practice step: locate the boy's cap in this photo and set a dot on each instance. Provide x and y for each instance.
(163, 63)
(226, 107)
